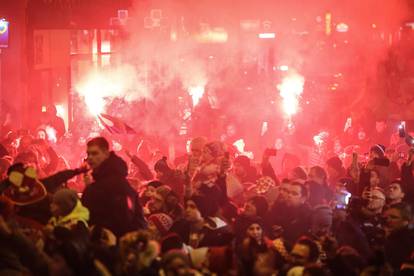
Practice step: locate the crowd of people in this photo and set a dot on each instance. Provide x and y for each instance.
(211, 213)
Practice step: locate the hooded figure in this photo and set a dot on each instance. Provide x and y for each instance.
(112, 202)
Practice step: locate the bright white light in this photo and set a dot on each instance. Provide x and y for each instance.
(239, 144)
(60, 110)
(291, 90)
(265, 127)
(320, 138)
(196, 93)
(51, 134)
(94, 90)
(342, 28)
(284, 68)
(267, 35)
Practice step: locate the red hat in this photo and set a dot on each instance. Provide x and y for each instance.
(163, 222)
(25, 188)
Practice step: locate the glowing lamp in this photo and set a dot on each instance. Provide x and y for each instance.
(4, 33)
(267, 35)
(342, 28)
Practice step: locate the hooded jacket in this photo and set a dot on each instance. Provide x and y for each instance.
(111, 201)
(78, 214)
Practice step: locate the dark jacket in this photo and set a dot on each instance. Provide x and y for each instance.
(407, 180)
(319, 194)
(295, 221)
(111, 201)
(19, 256)
(398, 247)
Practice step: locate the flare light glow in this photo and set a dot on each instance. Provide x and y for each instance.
(291, 89)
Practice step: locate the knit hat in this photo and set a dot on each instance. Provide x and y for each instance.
(261, 205)
(207, 207)
(162, 221)
(335, 162)
(66, 200)
(162, 165)
(24, 188)
(155, 184)
(378, 149)
(246, 223)
(243, 161)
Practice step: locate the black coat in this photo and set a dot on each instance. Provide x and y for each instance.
(398, 247)
(111, 201)
(295, 221)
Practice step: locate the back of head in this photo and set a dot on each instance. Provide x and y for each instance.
(313, 248)
(318, 172)
(335, 163)
(299, 173)
(66, 199)
(261, 204)
(100, 142)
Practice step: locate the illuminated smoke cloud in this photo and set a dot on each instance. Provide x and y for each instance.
(99, 87)
(291, 89)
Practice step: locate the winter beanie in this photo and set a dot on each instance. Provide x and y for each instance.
(155, 184)
(162, 221)
(379, 149)
(66, 199)
(207, 207)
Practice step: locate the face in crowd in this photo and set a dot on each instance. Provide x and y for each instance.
(96, 156)
(156, 204)
(239, 170)
(283, 192)
(374, 179)
(395, 219)
(375, 200)
(192, 214)
(304, 252)
(394, 192)
(250, 209)
(255, 232)
(295, 195)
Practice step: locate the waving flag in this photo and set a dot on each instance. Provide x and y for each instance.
(115, 125)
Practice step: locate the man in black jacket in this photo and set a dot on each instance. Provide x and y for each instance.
(112, 202)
